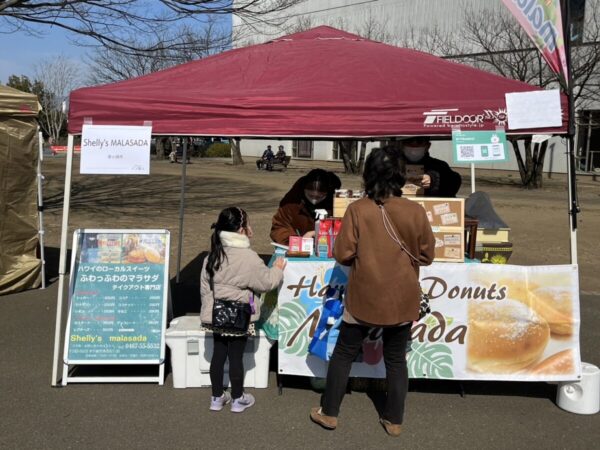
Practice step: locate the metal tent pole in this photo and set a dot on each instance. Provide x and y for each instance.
(181, 208)
(62, 264)
(572, 178)
(40, 179)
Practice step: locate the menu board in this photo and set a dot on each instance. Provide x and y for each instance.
(118, 296)
(447, 219)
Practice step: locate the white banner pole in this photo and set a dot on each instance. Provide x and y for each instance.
(472, 178)
(40, 179)
(572, 204)
(62, 264)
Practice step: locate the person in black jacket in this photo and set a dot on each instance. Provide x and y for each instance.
(439, 179)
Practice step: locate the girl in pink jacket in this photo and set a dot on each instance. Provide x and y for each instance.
(233, 272)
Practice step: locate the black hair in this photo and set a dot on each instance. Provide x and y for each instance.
(320, 177)
(384, 174)
(230, 219)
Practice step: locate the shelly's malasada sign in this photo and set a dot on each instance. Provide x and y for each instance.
(115, 149)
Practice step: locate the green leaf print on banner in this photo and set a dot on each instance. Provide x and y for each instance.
(431, 321)
(291, 317)
(430, 361)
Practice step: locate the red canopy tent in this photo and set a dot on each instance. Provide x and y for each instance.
(319, 83)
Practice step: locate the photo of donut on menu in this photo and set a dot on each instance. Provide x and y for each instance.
(143, 248)
(533, 330)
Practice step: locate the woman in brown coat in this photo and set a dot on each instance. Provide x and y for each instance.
(384, 238)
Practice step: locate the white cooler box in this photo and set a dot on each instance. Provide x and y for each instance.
(191, 352)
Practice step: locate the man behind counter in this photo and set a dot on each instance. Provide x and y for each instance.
(439, 179)
(296, 213)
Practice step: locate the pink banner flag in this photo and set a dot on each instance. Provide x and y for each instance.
(542, 20)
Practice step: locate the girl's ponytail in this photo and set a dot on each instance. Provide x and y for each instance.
(230, 219)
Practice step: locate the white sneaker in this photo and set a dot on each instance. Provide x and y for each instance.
(239, 405)
(217, 403)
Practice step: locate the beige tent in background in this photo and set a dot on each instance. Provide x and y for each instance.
(20, 268)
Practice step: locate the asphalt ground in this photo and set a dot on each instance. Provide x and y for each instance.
(491, 415)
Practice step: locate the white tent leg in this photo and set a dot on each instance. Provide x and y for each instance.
(181, 208)
(63, 259)
(573, 208)
(40, 179)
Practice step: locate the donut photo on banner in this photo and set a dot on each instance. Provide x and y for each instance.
(533, 331)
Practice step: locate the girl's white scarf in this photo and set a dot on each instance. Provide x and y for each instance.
(232, 239)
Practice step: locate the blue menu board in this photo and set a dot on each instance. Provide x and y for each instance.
(118, 295)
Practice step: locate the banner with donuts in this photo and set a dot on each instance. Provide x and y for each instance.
(488, 322)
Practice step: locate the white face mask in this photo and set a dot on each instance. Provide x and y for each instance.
(315, 201)
(414, 154)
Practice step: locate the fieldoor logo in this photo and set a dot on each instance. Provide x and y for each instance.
(448, 117)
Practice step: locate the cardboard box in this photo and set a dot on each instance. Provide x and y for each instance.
(493, 252)
(449, 245)
(447, 219)
(444, 212)
(485, 235)
(342, 199)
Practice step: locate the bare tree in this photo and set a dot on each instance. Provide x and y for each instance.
(503, 47)
(58, 76)
(236, 152)
(128, 25)
(109, 65)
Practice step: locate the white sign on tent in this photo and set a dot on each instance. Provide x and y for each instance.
(115, 149)
(534, 109)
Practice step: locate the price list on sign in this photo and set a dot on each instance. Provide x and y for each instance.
(118, 297)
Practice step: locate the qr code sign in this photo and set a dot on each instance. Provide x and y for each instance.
(466, 151)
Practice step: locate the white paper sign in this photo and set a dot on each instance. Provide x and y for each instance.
(115, 149)
(535, 109)
(539, 138)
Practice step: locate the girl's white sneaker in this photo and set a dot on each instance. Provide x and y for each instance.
(217, 403)
(239, 405)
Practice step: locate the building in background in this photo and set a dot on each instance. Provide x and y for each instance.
(438, 27)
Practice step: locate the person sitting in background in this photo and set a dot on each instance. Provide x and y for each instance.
(280, 155)
(296, 213)
(266, 159)
(439, 179)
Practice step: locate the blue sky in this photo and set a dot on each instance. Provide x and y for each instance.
(19, 52)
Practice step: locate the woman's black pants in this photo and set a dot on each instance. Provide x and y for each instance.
(346, 350)
(232, 348)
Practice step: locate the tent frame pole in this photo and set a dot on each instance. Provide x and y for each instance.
(40, 195)
(571, 175)
(181, 208)
(62, 264)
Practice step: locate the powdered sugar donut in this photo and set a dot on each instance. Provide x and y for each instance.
(504, 336)
(556, 306)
